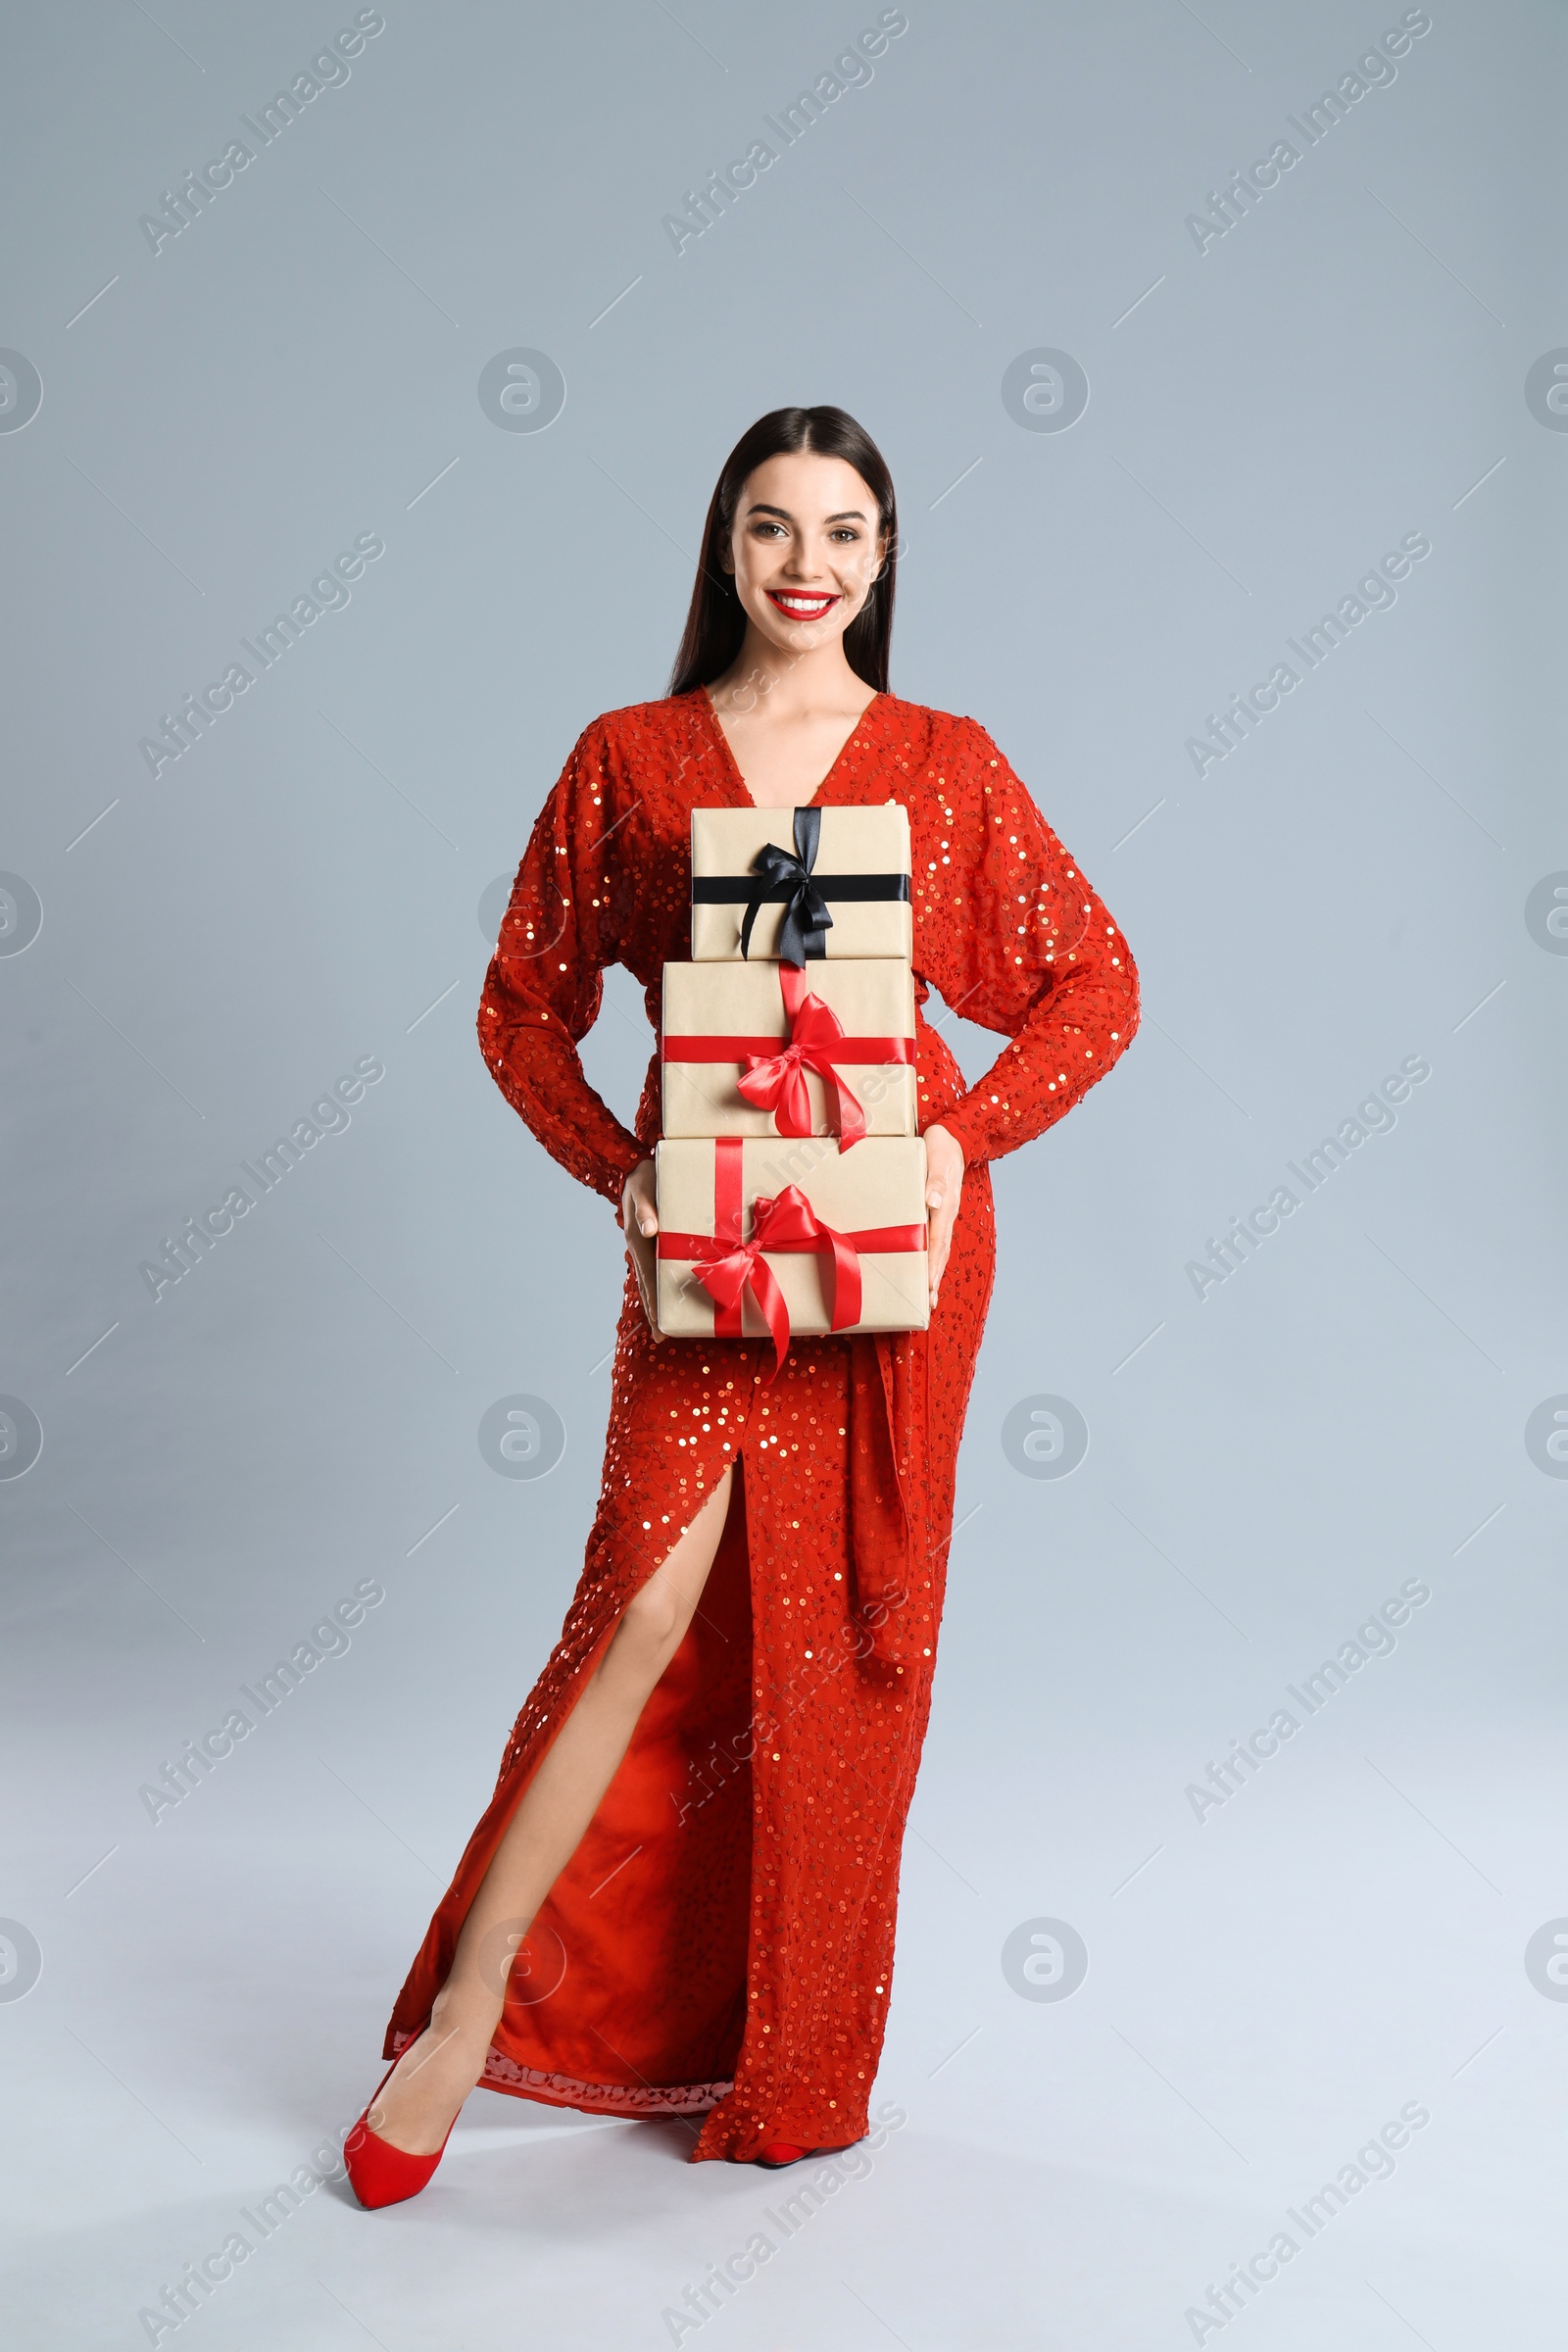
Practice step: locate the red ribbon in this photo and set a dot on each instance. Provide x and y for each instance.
(729, 1266)
(775, 1079)
(777, 1082)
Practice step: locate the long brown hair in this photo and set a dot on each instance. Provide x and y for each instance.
(715, 623)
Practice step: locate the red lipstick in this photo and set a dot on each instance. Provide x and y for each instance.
(808, 603)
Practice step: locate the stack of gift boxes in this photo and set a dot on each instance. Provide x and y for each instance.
(791, 1178)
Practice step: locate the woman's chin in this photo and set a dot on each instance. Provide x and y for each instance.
(794, 636)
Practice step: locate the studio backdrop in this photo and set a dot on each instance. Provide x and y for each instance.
(364, 378)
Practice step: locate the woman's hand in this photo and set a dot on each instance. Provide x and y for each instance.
(640, 1222)
(637, 1200)
(943, 1159)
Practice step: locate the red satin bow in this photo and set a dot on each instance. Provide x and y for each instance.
(776, 1082)
(788, 1222)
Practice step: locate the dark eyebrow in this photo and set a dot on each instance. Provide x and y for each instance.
(848, 515)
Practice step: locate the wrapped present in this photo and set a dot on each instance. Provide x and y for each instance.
(766, 1048)
(800, 885)
(760, 1238)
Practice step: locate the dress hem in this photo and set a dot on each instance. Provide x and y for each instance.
(551, 2089)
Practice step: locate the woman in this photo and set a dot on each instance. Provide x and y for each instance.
(681, 1900)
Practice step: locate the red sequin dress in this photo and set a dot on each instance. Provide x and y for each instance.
(721, 1943)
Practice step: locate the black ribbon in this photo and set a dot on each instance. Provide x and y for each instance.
(806, 909)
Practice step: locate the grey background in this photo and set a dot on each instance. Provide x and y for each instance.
(1264, 1989)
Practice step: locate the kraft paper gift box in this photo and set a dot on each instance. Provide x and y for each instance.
(795, 1238)
(780, 871)
(764, 1048)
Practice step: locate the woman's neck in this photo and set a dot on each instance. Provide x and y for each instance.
(790, 685)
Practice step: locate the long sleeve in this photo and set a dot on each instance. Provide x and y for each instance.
(542, 989)
(1015, 940)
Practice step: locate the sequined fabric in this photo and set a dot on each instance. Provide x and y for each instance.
(722, 1940)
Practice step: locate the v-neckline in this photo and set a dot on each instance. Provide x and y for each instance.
(732, 764)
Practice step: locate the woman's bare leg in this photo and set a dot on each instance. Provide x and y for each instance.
(437, 2072)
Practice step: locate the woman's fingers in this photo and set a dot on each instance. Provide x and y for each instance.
(944, 1188)
(637, 1199)
(939, 1236)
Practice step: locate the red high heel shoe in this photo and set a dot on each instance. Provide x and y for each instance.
(780, 2152)
(378, 2173)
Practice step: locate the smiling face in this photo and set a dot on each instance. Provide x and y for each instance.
(805, 548)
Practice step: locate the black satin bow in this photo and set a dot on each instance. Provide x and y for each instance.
(806, 909)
